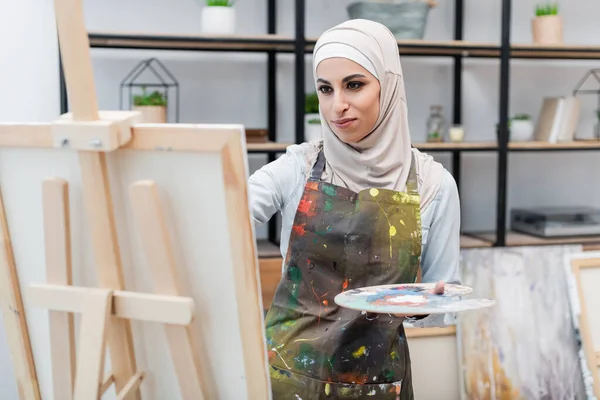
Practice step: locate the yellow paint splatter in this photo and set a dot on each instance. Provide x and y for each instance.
(374, 192)
(327, 389)
(324, 245)
(393, 355)
(359, 352)
(402, 222)
(392, 230)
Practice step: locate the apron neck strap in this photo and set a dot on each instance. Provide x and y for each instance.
(411, 182)
(318, 167)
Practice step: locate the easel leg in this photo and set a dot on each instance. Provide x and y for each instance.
(59, 272)
(95, 324)
(157, 247)
(13, 315)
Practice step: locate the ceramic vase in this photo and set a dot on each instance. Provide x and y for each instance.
(153, 114)
(218, 20)
(521, 130)
(312, 130)
(547, 30)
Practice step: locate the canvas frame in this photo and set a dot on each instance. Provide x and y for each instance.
(95, 135)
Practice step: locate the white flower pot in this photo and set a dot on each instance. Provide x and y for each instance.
(218, 20)
(521, 130)
(312, 131)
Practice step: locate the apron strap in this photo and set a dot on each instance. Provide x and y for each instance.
(318, 167)
(411, 182)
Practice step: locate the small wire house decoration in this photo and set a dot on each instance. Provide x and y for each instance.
(595, 73)
(165, 82)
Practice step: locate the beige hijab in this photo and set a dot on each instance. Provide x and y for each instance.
(382, 159)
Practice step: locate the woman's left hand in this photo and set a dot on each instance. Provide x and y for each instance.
(439, 289)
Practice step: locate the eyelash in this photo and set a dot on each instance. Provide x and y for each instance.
(357, 85)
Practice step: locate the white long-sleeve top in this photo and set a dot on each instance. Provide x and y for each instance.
(279, 185)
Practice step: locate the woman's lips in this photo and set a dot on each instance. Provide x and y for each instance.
(343, 123)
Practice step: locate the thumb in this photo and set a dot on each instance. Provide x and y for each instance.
(439, 288)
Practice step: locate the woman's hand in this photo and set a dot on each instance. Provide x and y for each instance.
(439, 289)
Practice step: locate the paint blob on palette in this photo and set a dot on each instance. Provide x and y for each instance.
(410, 299)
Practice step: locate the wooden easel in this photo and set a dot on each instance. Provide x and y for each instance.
(106, 310)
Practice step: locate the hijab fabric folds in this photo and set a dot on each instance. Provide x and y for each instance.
(382, 159)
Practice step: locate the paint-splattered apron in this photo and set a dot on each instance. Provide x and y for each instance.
(342, 240)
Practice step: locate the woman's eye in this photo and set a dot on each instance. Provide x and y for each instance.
(324, 89)
(354, 85)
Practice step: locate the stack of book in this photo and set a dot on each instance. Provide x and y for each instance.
(558, 119)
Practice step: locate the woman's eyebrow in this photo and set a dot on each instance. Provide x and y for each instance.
(353, 76)
(346, 79)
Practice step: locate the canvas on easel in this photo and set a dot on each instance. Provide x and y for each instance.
(583, 277)
(129, 266)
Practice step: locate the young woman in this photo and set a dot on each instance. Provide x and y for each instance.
(360, 208)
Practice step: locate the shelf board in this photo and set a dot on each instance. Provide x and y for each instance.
(463, 146)
(523, 239)
(437, 48)
(545, 146)
(267, 147)
(471, 242)
(286, 44)
(555, 52)
(267, 249)
(157, 41)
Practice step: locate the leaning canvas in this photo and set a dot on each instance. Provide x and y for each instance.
(525, 347)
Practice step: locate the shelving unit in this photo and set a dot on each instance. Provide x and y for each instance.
(271, 43)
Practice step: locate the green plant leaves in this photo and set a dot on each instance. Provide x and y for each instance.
(155, 98)
(219, 3)
(311, 103)
(546, 9)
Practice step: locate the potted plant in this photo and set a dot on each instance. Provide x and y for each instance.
(153, 106)
(521, 128)
(312, 119)
(406, 19)
(547, 25)
(218, 17)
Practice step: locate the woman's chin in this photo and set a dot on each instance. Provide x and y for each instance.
(349, 137)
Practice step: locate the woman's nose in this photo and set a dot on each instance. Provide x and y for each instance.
(340, 104)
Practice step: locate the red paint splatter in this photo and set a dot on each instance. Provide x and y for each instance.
(272, 354)
(299, 229)
(345, 285)
(325, 302)
(305, 206)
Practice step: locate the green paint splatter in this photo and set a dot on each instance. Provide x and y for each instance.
(329, 190)
(306, 358)
(295, 274)
(389, 375)
(323, 232)
(328, 205)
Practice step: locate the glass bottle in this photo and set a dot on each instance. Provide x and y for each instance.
(435, 124)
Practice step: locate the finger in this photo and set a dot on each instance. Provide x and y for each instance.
(439, 288)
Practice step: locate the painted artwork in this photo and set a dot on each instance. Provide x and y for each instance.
(525, 346)
(413, 299)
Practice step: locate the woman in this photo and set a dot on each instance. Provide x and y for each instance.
(360, 208)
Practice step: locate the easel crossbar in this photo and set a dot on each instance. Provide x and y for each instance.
(175, 310)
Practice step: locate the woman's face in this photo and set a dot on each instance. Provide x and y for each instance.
(348, 98)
